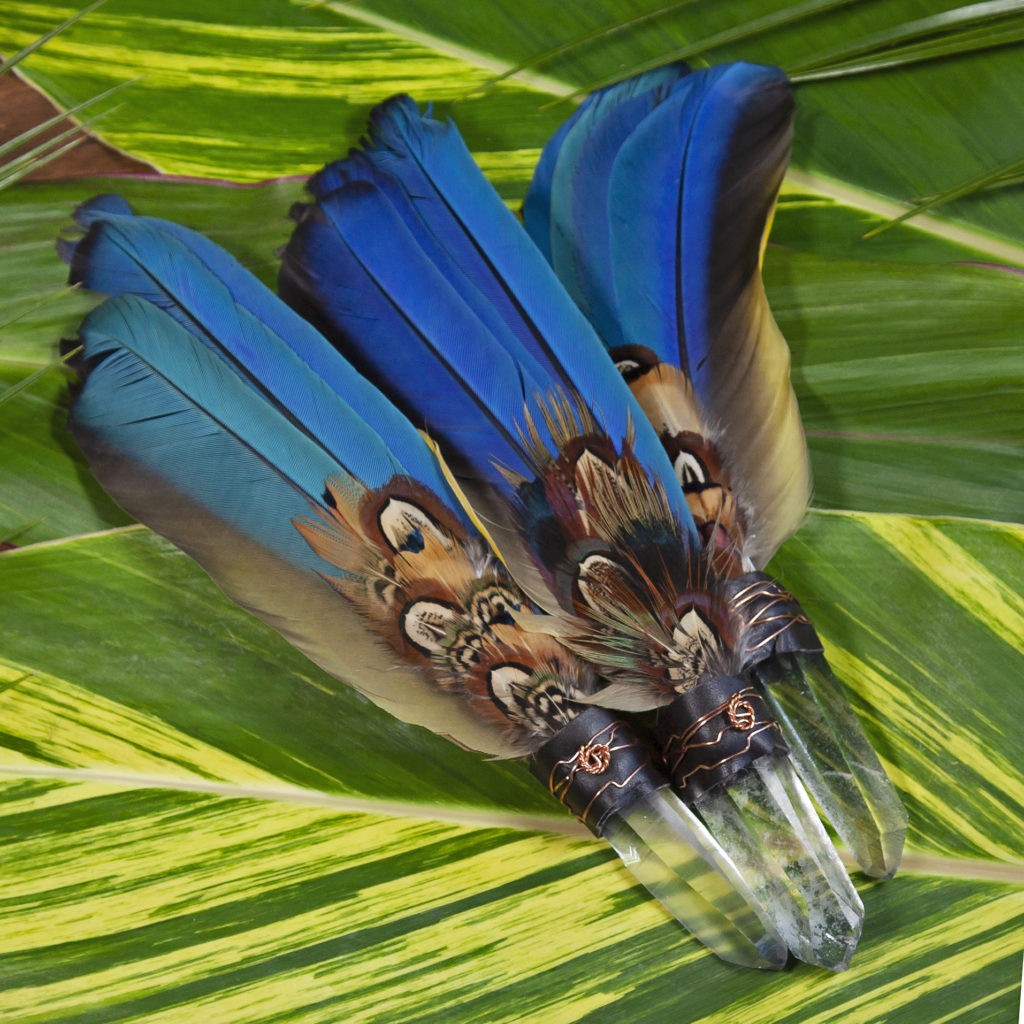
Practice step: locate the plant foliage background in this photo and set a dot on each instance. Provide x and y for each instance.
(195, 824)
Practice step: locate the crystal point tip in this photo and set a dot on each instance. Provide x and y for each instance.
(668, 849)
(767, 826)
(598, 767)
(835, 760)
(881, 857)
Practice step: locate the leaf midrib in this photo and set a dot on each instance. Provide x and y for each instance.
(913, 862)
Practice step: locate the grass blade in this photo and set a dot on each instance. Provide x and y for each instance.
(10, 62)
(26, 382)
(1006, 176)
(746, 30)
(579, 42)
(16, 143)
(962, 30)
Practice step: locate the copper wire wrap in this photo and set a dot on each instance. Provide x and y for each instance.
(594, 758)
(596, 766)
(708, 735)
(772, 621)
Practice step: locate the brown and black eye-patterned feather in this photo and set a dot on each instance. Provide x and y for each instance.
(437, 595)
(666, 396)
(641, 601)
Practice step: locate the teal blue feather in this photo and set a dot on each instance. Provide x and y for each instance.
(224, 471)
(165, 401)
(272, 348)
(566, 206)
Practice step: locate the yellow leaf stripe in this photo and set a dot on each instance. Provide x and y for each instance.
(927, 748)
(956, 573)
(71, 726)
(218, 854)
(170, 907)
(230, 72)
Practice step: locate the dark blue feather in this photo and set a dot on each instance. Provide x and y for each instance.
(453, 252)
(677, 267)
(407, 180)
(488, 245)
(460, 211)
(577, 187)
(353, 266)
(485, 249)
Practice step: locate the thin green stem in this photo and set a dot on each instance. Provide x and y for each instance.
(31, 133)
(960, 30)
(1006, 176)
(48, 300)
(588, 38)
(759, 26)
(26, 382)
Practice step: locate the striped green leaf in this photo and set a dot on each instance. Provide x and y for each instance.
(198, 822)
(198, 825)
(170, 906)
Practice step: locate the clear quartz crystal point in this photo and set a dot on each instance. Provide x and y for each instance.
(835, 760)
(669, 851)
(603, 771)
(766, 824)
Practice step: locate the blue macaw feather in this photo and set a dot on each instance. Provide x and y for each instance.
(225, 307)
(353, 263)
(206, 425)
(538, 200)
(655, 201)
(463, 214)
(489, 259)
(664, 194)
(420, 207)
(572, 181)
(648, 124)
(485, 252)
(537, 203)
(682, 158)
(185, 446)
(407, 180)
